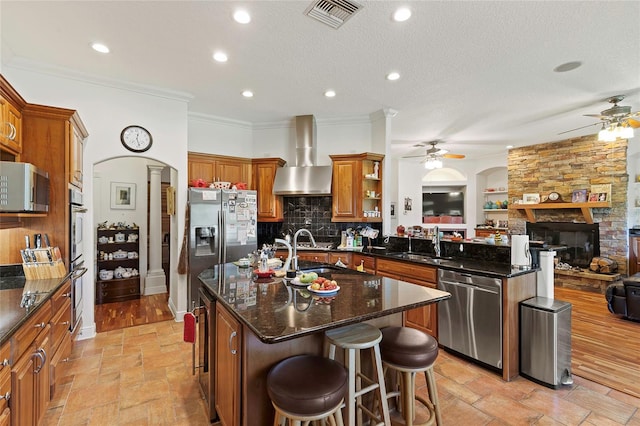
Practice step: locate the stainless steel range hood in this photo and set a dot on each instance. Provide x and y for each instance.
(305, 178)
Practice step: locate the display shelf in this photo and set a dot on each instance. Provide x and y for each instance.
(117, 289)
(495, 210)
(585, 208)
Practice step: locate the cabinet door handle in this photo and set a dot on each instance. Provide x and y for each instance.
(66, 295)
(233, 351)
(65, 323)
(6, 396)
(40, 353)
(41, 325)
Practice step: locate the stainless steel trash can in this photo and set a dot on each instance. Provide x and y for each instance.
(545, 341)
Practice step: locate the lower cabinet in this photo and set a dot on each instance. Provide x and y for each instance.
(30, 382)
(424, 318)
(227, 367)
(315, 256)
(368, 262)
(5, 385)
(118, 290)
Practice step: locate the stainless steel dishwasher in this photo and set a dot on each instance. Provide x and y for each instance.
(470, 322)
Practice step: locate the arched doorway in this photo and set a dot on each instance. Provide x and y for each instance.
(115, 304)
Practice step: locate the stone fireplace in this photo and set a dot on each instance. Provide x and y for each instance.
(569, 165)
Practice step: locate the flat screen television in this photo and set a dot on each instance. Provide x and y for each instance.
(443, 203)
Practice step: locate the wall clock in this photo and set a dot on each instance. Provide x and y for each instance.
(136, 138)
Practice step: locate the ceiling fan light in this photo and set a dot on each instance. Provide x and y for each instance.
(433, 163)
(606, 135)
(625, 132)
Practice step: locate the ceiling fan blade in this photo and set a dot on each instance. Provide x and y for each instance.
(458, 156)
(602, 117)
(634, 123)
(414, 156)
(578, 128)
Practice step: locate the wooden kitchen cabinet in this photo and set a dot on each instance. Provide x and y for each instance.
(5, 385)
(11, 104)
(368, 262)
(424, 318)
(227, 367)
(46, 139)
(77, 135)
(343, 257)
(314, 256)
(219, 168)
(357, 188)
(61, 342)
(263, 176)
(30, 377)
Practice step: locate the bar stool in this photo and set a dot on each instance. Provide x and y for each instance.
(353, 339)
(408, 351)
(305, 388)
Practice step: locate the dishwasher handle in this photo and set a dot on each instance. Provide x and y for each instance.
(492, 290)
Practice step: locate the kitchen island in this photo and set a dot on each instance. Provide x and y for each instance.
(255, 323)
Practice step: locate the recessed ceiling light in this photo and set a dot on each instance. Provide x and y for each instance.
(220, 57)
(99, 47)
(330, 93)
(392, 76)
(247, 94)
(402, 14)
(242, 16)
(509, 146)
(568, 66)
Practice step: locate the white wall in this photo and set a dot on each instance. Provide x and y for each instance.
(209, 134)
(107, 107)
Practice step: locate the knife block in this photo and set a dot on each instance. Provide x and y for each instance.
(47, 265)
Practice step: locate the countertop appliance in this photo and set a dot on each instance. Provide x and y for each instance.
(222, 228)
(23, 188)
(470, 322)
(545, 341)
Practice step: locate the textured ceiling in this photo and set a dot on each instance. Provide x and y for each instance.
(478, 75)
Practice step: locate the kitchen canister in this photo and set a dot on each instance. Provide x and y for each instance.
(520, 255)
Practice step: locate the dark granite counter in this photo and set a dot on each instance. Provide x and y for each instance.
(20, 298)
(276, 311)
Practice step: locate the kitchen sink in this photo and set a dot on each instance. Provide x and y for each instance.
(325, 270)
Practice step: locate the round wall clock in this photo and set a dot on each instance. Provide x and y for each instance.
(136, 138)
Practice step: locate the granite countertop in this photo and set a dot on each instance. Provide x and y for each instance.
(276, 311)
(20, 298)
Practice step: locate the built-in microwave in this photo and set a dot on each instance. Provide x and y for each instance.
(23, 188)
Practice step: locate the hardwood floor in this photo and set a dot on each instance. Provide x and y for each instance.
(146, 310)
(605, 347)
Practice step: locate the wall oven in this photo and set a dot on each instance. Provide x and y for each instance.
(76, 257)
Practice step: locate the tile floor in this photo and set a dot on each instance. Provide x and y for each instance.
(142, 376)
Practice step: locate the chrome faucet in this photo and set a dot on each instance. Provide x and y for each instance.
(435, 240)
(295, 245)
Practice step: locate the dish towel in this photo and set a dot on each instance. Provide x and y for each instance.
(189, 328)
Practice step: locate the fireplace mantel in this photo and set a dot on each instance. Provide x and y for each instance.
(529, 209)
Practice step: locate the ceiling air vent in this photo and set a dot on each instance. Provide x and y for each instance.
(334, 13)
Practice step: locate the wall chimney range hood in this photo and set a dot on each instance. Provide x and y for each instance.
(305, 178)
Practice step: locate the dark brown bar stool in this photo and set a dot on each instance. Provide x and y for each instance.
(305, 388)
(408, 351)
(353, 339)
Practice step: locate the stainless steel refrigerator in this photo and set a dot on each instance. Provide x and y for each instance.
(222, 228)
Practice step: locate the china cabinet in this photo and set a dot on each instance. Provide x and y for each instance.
(357, 187)
(118, 268)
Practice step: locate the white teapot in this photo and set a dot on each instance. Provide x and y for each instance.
(118, 272)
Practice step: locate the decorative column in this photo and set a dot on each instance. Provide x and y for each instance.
(155, 282)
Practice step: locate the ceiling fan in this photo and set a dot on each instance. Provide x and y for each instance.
(432, 158)
(617, 121)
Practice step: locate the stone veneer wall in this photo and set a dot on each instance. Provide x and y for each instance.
(565, 166)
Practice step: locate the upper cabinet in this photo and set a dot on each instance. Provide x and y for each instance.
(357, 187)
(219, 168)
(76, 136)
(11, 104)
(264, 174)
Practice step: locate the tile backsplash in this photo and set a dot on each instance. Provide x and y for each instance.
(312, 213)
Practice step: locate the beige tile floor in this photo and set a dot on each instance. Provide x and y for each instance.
(142, 376)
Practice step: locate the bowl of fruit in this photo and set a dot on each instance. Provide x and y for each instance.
(323, 286)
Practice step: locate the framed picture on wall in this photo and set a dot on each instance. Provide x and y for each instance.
(393, 209)
(123, 196)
